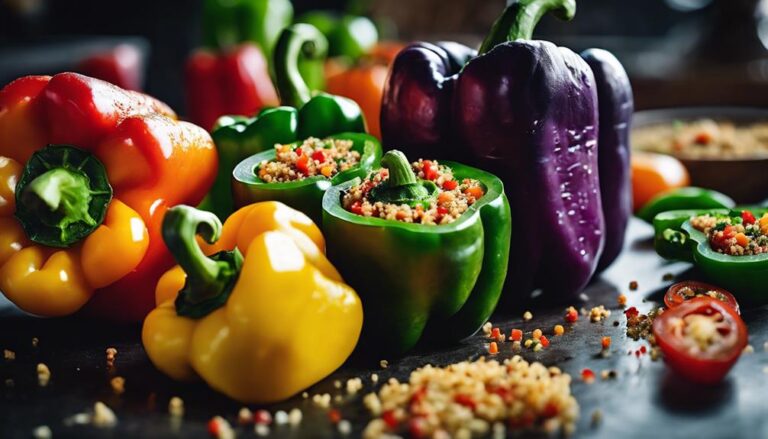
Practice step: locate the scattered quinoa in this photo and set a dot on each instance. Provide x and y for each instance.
(622, 300)
(374, 378)
(668, 277)
(323, 401)
(453, 198)
(42, 432)
(527, 316)
(111, 355)
(9, 355)
(281, 417)
(244, 416)
(295, 416)
(465, 399)
(487, 327)
(35, 342)
(43, 374)
(605, 342)
(559, 330)
(639, 325)
(103, 416)
(118, 385)
(344, 427)
(571, 315)
(608, 374)
(313, 157)
(372, 403)
(354, 385)
(219, 428)
(633, 285)
(384, 364)
(598, 313)
(261, 430)
(748, 349)
(176, 407)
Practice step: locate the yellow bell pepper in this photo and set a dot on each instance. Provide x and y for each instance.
(263, 318)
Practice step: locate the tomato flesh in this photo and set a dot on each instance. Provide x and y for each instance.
(673, 331)
(686, 290)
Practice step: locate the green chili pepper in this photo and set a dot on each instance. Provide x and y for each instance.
(420, 281)
(303, 115)
(62, 195)
(351, 36)
(684, 198)
(675, 238)
(305, 195)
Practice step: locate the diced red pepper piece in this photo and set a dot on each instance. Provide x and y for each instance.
(318, 155)
(493, 348)
(587, 374)
(495, 333)
(544, 341)
(747, 217)
(334, 416)
(729, 232)
(631, 312)
(356, 208)
(605, 342)
(450, 185)
(390, 419)
(262, 417)
(571, 315)
(465, 400)
(299, 151)
(417, 428)
(302, 164)
(516, 335)
(430, 170)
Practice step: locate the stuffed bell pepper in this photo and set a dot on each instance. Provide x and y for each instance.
(527, 111)
(729, 247)
(425, 244)
(263, 317)
(304, 114)
(87, 172)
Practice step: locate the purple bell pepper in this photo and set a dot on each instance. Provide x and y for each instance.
(528, 112)
(616, 105)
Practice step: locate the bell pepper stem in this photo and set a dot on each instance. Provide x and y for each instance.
(520, 18)
(64, 191)
(206, 277)
(402, 186)
(296, 41)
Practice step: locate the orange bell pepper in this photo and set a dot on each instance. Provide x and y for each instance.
(364, 82)
(653, 174)
(150, 161)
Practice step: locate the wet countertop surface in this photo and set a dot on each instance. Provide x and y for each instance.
(645, 400)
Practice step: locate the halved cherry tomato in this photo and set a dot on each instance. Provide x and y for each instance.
(655, 173)
(687, 290)
(701, 338)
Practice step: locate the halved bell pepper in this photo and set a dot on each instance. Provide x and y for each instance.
(264, 317)
(302, 115)
(419, 281)
(675, 238)
(87, 171)
(304, 195)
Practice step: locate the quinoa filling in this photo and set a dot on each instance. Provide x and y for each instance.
(452, 197)
(313, 157)
(735, 234)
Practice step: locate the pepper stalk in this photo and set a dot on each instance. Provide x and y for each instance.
(520, 18)
(402, 186)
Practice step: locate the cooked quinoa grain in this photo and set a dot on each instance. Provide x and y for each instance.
(313, 157)
(454, 197)
(468, 398)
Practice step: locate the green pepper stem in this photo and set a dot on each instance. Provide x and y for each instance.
(400, 171)
(520, 18)
(296, 41)
(64, 191)
(206, 277)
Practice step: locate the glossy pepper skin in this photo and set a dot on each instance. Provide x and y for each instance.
(143, 150)
(419, 281)
(233, 80)
(526, 111)
(685, 198)
(122, 65)
(675, 238)
(615, 106)
(350, 36)
(302, 115)
(264, 328)
(303, 195)
(231, 22)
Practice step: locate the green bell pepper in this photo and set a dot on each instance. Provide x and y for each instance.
(303, 115)
(675, 238)
(229, 22)
(684, 198)
(351, 36)
(304, 195)
(420, 281)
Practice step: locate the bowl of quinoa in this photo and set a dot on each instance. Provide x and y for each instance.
(298, 174)
(453, 196)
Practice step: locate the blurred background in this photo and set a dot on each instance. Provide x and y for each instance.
(677, 52)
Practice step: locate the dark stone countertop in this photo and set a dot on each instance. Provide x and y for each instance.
(645, 400)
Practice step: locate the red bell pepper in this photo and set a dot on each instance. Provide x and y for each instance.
(123, 66)
(234, 81)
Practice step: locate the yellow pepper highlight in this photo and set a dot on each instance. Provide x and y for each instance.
(289, 321)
